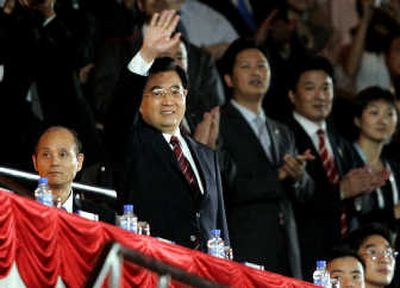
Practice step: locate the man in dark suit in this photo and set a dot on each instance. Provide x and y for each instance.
(173, 181)
(261, 168)
(58, 158)
(40, 65)
(322, 218)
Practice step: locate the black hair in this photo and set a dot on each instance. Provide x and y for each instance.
(342, 252)
(371, 94)
(78, 143)
(357, 237)
(165, 64)
(227, 61)
(395, 34)
(310, 63)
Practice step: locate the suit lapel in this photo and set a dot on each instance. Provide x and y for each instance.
(275, 136)
(201, 162)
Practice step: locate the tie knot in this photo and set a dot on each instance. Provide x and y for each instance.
(174, 141)
(321, 132)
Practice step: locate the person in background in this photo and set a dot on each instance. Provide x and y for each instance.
(322, 219)
(376, 118)
(347, 267)
(58, 158)
(262, 170)
(374, 243)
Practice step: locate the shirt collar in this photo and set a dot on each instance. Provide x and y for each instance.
(68, 205)
(249, 115)
(311, 127)
(177, 133)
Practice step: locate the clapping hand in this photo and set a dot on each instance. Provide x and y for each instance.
(362, 180)
(207, 130)
(293, 166)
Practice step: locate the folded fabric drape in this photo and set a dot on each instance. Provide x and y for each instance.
(47, 243)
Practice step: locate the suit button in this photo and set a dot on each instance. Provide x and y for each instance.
(198, 214)
(193, 238)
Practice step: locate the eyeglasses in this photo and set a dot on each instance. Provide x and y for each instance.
(374, 254)
(174, 91)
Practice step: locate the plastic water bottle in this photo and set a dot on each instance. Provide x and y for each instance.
(321, 276)
(43, 192)
(128, 220)
(216, 245)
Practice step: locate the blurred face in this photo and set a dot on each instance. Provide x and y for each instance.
(348, 271)
(149, 7)
(250, 76)
(164, 100)
(393, 58)
(378, 121)
(57, 159)
(313, 95)
(179, 54)
(379, 260)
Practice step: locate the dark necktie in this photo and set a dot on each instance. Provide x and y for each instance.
(185, 167)
(327, 161)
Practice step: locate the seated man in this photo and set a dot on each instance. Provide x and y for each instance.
(57, 157)
(374, 243)
(347, 267)
(172, 180)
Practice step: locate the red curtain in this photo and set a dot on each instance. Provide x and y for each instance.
(47, 243)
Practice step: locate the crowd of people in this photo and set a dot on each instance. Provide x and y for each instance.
(263, 120)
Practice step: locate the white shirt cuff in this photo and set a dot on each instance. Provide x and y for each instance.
(139, 66)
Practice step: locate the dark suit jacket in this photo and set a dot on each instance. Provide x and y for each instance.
(318, 218)
(259, 210)
(105, 213)
(150, 178)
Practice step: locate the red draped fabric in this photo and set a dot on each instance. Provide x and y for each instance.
(47, 243)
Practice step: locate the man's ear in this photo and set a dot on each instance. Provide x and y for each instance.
(34, 162)
(291, 96)
(80, 157)
(228, 80)
(357, 122)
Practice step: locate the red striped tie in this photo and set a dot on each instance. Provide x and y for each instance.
(327, 161)
(332, 174)
(185, 167)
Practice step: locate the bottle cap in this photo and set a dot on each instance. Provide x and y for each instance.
(216, 232)
(128, 208)
(43, 180)
(321, 264)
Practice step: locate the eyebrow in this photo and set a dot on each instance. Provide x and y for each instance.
(337, 271)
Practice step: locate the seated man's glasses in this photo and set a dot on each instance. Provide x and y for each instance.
(374, 254)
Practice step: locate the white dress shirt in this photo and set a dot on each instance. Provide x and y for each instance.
(311, 129)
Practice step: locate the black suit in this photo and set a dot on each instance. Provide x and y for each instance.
(150, 177)
(318, 218)
(105, 214)
(260, 217)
